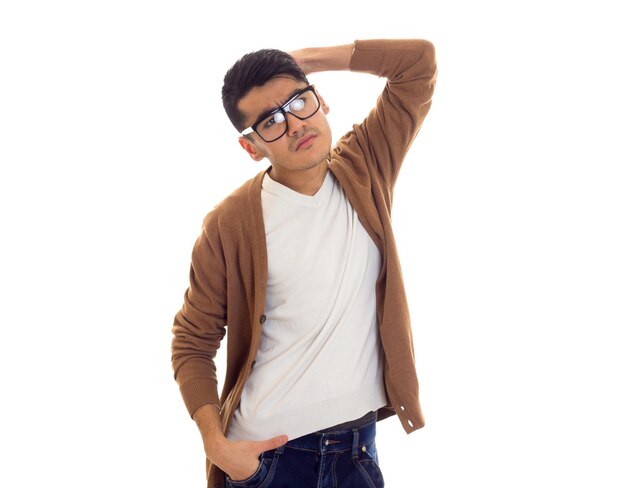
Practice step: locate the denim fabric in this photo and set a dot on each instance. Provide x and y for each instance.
(340, 459)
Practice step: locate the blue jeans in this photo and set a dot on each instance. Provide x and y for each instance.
(341, 459)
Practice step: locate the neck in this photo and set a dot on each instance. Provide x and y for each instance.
(307, 181)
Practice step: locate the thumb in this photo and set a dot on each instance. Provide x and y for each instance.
(273, 443)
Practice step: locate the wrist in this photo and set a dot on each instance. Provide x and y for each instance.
(216, 448)
(315, 59)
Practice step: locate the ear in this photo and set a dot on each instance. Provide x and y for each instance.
(325, 107)
(251, 148)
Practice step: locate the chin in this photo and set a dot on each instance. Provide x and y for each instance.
(321, 158)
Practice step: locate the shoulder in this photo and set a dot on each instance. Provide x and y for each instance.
(236, 209)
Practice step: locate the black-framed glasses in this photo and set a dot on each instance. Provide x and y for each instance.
(272, 125)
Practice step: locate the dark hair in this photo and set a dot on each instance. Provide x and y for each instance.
(255, 69)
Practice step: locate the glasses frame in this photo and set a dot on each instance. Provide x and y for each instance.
(284, 109)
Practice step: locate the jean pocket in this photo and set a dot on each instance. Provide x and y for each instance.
(261, 477)
(367, 465)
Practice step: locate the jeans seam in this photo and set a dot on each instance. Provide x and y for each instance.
(333, 471)
(320, 475)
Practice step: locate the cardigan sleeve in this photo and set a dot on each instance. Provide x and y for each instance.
(200, 325)
(386, 134)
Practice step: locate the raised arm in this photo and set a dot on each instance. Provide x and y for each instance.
(384, 137)
(386, 134)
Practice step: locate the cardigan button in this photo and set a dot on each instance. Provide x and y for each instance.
(262, 319)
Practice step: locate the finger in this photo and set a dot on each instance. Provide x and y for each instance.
(273, 443)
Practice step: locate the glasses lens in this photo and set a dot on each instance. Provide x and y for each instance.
(272, 127)
(302, 106)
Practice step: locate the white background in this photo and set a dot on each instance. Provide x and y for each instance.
(509, 213)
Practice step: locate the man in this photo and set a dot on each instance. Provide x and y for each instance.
(300, 268)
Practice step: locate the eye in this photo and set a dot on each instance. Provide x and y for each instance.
(297, 105)
(277, 118)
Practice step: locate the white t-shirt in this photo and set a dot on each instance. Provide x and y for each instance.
(320, 360)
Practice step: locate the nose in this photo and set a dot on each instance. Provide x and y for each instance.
(294, 124)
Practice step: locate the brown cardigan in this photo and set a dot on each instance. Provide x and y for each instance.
(229, 260)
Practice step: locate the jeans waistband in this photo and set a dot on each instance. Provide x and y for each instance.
(334, 441)
(353, 424)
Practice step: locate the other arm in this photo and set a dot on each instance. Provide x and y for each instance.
(198, 330)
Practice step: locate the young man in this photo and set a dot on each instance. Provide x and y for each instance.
(300, 268)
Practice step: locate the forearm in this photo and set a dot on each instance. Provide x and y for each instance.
(207, 419)
(403, 61)
(194, 346)
(315, 59)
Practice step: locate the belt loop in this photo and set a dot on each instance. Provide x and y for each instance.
(355, 443)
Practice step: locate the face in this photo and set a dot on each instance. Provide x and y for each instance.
(306, 142)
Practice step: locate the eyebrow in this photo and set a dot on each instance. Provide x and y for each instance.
(274, 109)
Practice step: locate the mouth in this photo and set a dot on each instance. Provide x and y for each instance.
(305, 142)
